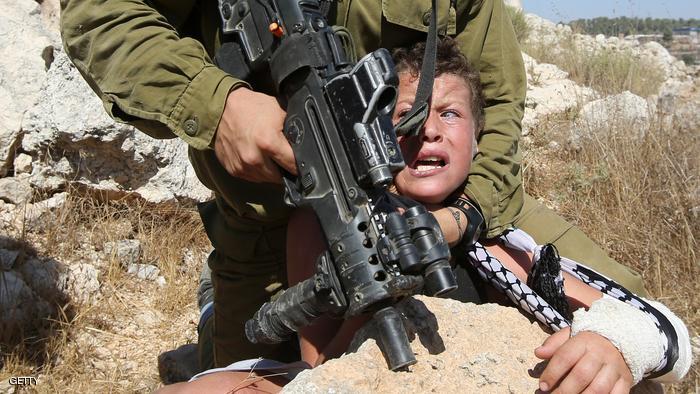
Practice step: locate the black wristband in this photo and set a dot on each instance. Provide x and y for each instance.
(475, 220)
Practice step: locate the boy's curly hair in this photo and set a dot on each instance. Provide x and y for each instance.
(449, 60)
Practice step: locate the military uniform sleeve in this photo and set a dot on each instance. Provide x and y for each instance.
(495, 178)
(145, 73)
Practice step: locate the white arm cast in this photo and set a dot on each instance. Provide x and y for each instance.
(635, 335)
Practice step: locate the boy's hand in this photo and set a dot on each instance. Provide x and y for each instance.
(586, 361)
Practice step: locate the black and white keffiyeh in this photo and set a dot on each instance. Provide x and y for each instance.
(492, 271)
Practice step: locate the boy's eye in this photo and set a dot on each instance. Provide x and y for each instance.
(449, 114)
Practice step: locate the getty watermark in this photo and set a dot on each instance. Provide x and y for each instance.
(23, 381)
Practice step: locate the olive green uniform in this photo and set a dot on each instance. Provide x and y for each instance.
(150, 63)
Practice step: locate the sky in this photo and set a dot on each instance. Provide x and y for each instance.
(567, 10)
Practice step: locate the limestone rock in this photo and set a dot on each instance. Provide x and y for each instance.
(550, 91)
(50, 10)
(127, 251)
(554, 37)
(71, 138)
(30, 216)
(7, 216)
(143, 271)
(670, 66)
(460, 348)
(23, 164)
(24, 56)
(80, 283)
(36, 214)
(15, 190)
(621, 109)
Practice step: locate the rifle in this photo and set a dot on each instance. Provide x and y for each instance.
(339, 126)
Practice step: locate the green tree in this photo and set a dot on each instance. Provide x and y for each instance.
(667, 35)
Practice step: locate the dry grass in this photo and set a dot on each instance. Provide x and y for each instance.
(520, 25)
(111, 345)
(636, 196)
(605, 70)
(608, 71)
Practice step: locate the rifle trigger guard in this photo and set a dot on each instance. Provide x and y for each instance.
(292, 197)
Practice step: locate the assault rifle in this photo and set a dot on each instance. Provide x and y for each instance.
(339, 126)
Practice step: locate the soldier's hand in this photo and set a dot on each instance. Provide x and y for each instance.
(586, 362)
(249, 142)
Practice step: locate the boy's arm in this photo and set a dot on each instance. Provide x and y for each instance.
(611, 344)
(575, 363)
(587, 361)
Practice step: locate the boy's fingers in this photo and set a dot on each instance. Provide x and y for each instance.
(561, 363)
(604, 381)
(622, 386)
(581, 376)
(552, 343)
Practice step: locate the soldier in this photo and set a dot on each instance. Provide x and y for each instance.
(150, 63)
(610, 344)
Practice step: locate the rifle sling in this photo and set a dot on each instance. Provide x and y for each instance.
(412, 122)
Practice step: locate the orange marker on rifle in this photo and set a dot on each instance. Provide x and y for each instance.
(276, 29)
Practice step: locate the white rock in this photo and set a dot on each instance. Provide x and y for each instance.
(8, 214)
(72, 138)
(38, 214)
(25, 47)
(144, 271)
(149, 318)
(50, 10)
(549, 91)
(80, 282)
(192, 258)
(127, 251)
(15, 190)
(624, 108)
(23, 164)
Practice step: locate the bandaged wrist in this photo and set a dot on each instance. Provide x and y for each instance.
(685, 353)
(635, 335)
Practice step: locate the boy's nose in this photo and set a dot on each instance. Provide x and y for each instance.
(431, 129)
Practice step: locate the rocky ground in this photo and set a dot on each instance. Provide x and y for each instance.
(100, 245)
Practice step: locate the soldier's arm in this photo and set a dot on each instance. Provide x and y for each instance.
(495, 178)
(145, 73)
(166, 84)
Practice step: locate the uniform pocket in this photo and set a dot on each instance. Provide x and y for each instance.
(415, 14)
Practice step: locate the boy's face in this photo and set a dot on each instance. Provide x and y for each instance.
(439, 157)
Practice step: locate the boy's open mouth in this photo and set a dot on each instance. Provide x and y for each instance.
(428, 164)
